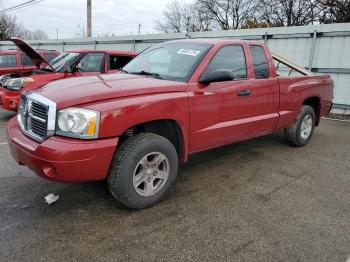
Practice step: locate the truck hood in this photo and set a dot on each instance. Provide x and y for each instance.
(36, 58)
(81, 90)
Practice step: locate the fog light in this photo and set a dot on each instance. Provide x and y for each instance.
(13, 104)
(48, 170)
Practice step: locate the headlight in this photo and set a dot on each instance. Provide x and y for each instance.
(4, 78)
(78, 122)
(17, 83)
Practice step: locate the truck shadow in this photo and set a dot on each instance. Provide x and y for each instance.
(243, 148)
(6, 115)
(87, 197)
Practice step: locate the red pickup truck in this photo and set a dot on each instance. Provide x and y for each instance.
(69, 64)
(174, 99)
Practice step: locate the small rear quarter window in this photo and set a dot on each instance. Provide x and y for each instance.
(261, 66)
(117, 62)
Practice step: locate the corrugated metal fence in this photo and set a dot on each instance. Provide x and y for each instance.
(323, 48)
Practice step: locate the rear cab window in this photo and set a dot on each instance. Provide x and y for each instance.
(8, 61)
(260, 64)
(230, 57)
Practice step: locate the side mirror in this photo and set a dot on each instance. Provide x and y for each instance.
(218, 75)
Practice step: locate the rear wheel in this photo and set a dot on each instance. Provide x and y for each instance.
(299, 134)
(143, 170)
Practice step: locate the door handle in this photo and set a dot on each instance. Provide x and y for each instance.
(244, 92)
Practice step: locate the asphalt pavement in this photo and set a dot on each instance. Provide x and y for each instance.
(258, 200)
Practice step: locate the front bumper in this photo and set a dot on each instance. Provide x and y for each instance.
(62, 159)
(9, 100)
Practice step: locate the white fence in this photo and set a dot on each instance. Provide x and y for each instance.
(321, 48)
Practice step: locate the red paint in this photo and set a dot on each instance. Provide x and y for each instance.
(62, 159)
(20, 69)
(208, 115)
(9, 98)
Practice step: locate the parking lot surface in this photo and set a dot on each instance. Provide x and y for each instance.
(258, 200)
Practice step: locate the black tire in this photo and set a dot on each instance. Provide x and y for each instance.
(125, 161)
(293, 134)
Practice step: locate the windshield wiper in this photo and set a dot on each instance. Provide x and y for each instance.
(145, 73)
(46, 69)
(123, 70)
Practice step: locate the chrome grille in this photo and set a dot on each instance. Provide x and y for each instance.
(36, 116)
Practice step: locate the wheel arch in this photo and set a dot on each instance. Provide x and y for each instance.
(315, 103)
(168, 128)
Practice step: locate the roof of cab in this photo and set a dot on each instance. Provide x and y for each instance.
(111, 52)
(217, 41)
(15, 51)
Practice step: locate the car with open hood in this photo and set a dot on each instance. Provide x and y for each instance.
(69, 64)
(16, 63)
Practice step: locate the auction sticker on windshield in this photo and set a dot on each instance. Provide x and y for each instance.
(191, 52)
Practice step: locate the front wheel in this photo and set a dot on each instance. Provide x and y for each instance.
(299, 134)
(143, 170)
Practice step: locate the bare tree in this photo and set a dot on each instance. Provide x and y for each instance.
(199, 18)
(177, 15)
(174, 18)
(288, 12)
(9, 27)
(334, 11)
(34, 35)
(229, 14)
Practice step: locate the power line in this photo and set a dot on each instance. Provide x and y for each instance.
(20, 6)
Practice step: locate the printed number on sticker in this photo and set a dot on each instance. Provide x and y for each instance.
(184, 51)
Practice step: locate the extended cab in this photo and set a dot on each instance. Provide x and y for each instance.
(69, 64)
(134, 128)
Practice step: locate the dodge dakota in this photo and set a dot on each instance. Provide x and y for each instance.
(69, 64)
(134, 128)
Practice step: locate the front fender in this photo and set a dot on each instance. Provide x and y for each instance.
(118, 115)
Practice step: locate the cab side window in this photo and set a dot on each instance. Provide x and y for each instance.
(8, 61)
(91, 62)
(261, 66)
(230, 57)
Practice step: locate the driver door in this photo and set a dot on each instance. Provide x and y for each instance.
(219, 110)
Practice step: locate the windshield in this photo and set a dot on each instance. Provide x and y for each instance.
(61, 62)
(171, 61)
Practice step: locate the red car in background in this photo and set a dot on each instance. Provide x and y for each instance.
(69, 64)
(18, 63)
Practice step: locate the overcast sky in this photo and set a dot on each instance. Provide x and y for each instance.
(120, 17)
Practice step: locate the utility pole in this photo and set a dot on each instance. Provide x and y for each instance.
(57, 33)
(88, 20)
(188, 27)
(140, 29)
(110, 26)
